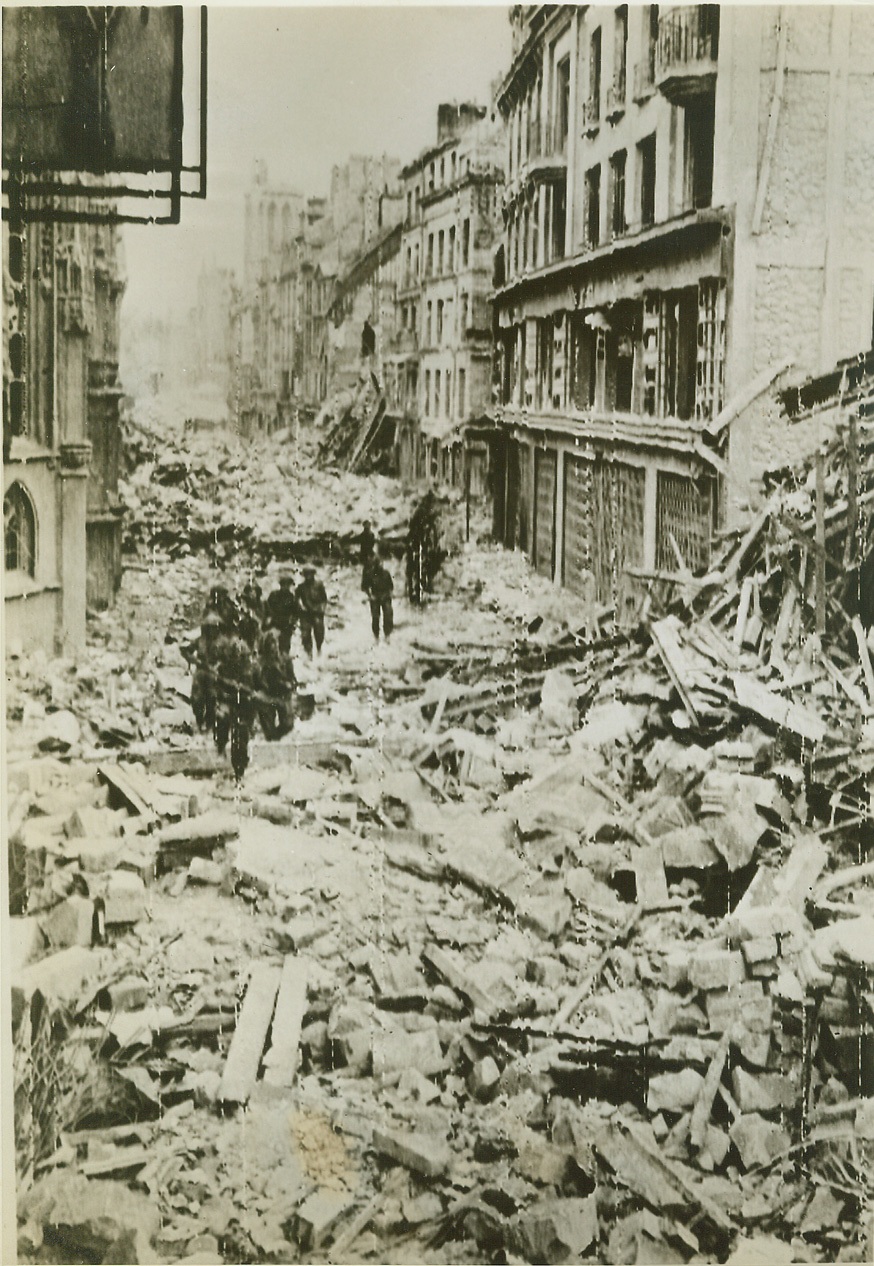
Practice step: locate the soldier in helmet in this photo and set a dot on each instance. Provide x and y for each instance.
(312, 603)
(206, 656)
(275, 682)
(281, 611)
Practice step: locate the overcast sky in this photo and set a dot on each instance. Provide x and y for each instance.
(303, 88)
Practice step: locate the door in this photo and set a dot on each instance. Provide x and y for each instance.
(544, 512)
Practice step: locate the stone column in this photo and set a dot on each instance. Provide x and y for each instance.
(72, 511)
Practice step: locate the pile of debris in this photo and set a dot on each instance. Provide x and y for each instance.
(358, 434)
(187, 492)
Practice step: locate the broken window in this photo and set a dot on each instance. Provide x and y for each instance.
(562, 103)
(593, 206)
(678, 352)
(19, 531)
(559, 219)
(617, 193)
(710, 374)
(593, 109)
(646, 168)
(620, 53)
(699, 127)
(582, 370)
(617, 529)
(684, 522)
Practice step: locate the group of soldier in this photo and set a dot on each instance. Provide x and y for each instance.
(242, 665)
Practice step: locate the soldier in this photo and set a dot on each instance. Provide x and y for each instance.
(221, 602)
(282, 611)
(206, 655)
(235, 709)
(366, 551)
(422, 548)
(312, 602)
(275, 683)
(380, 588)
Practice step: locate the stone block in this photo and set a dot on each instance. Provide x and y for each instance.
(94, 1219)
(762, 1092)
(318, 1215)
(711, 969)
(483, 1080)
(62, 976)
(124, 897)
(758, 1141)
(675, 968)
(425, 1154)
(96, 854)
(745, 1004)
(557, 1230)
(393, 1052)
(88, 823)
(759, 949)
(674, 1092)
(125, 995)
(71, 922)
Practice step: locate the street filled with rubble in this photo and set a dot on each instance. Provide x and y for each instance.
(537, 939)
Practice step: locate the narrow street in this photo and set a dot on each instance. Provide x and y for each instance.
(420, 986)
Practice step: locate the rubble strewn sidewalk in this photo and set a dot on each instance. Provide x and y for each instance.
(543, 939)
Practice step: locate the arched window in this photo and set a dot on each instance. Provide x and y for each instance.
(19, 531)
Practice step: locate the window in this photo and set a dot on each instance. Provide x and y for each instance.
(428, 325)
(431, 178)
(443, 171)
(451, 263)
(559, 218)
(646, 169)
(416, 201)
(409, 204)
(440, 240)
(409, 272)
(427, 392)
(465, 243)
(439, 320)
(430, 267)
(594, 106)
(454, 163)
(448, 409)
(562, 102)
(620, 52)
(414, 317)
(416, 261)
(19, 531)
(617, 193)
(526, 229)
(462, 312)
(437, 392)
(593, 206)
(699, 125)
(462, 385)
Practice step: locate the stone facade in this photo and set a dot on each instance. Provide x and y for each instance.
(681, 215)
(62, 517)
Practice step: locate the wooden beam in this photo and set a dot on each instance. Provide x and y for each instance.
(244, 1057)
(820, 544)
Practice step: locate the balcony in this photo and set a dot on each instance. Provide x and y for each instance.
(591, 116)
(616, 100)
(644, 77)
(548, 159)
(687, 51)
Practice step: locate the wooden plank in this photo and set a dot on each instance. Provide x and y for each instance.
(244, 1057)
(441, 962)
(671, 653)
(704, 1104)
(124, 790)
(281, 1059)
(864, 656)
(754, 697)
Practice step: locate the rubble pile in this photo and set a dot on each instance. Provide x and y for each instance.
(356, 433)
(191, 492)
(544, 939)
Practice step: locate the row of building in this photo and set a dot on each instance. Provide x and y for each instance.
(586, 298)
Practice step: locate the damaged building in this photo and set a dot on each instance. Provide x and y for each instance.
(62, 288)
(439, 364)
(663, 264)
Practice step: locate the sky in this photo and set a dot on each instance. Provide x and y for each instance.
(303, 88)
